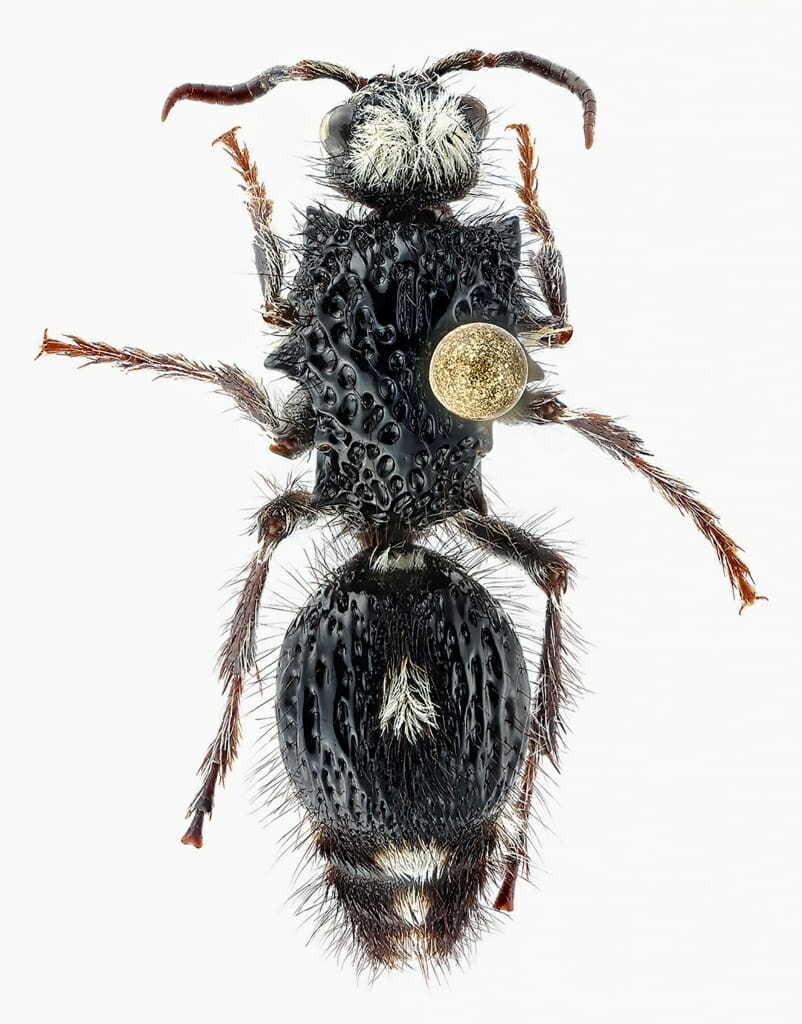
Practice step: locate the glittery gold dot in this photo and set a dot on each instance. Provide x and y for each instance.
(478, 371)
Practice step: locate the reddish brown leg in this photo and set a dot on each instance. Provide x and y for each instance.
(552, 573)
(273, 523)
(622, 444)
(267, 248)
(547, 263)
(290, 434)
(544, 737)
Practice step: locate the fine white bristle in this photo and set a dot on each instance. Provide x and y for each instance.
(396, 558)
(416, 137)
(407, 708)
(419, 863)
(412, 906)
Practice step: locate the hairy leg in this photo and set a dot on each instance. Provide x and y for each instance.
(268, 252)
(547, 263)
(272, 524)
(548, 568)
(545, 407)
(290, 430)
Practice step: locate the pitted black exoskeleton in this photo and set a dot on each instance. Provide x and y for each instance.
(408, 725)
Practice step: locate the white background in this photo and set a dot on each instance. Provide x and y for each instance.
(668, 886)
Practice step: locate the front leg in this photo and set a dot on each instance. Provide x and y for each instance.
(625, 446)
(272, 523)
(291, 429)
(267, 247)
(547, 263)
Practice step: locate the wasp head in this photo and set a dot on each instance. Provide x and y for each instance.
(404, 143)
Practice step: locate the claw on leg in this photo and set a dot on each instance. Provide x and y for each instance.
(505, 901)
(201, 807)
(194, 834)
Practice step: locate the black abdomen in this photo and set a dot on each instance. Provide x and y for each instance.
(374, 298)
(402, 701)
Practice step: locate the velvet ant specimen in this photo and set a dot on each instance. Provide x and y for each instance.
(408, 728)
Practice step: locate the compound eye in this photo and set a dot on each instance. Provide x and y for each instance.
(478, 371)
(335, 129)
(475, 112)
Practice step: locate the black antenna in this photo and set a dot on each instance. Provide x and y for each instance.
(475, 60)
(231, 95)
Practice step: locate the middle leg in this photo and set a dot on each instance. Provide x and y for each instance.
(291, 428)
(544, 406)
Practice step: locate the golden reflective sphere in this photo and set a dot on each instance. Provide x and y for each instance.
(478, 371)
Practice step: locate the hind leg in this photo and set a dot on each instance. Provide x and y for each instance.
(273, 523)
(547, 567)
